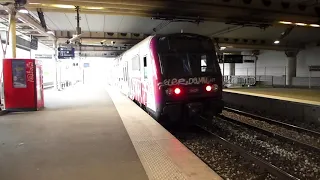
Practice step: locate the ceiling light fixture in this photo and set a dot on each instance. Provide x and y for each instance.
(24, 11)
(94, 8)
(315, 25)
(285, 22)
(50, 32)
(222, 48)
(21, 20)
(276, 42)
(63, 6)
(301, 24)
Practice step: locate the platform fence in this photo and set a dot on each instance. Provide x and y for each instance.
(266, 77)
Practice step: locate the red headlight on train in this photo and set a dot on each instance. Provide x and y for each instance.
(175, 91)
(210, 88)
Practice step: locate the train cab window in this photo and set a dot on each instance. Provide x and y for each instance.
(188, 64)
(145, 70)
(203, 63)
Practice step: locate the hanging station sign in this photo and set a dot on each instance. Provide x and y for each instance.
(65, 52)
(249, 59)
(43, 56)
(232, 58)
(314, 68)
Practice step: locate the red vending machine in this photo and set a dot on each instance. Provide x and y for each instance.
(22, 85)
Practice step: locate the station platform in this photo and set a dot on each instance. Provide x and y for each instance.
(305, 96)
(92, 133)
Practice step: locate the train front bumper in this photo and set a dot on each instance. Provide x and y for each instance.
(177, 110)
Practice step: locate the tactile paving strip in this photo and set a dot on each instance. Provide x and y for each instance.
(147, 136)
(156, 162)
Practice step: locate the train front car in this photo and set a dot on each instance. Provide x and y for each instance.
(191, 80)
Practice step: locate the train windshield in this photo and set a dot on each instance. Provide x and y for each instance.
(185, 55)
(175, 65)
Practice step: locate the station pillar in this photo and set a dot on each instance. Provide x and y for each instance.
(12, 34)
(291, 66)
(255, 57)
(232, 69)
(57, 82)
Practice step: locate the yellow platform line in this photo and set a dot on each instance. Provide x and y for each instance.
(275, 97)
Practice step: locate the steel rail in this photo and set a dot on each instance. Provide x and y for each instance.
(286, 125)
(249, 156)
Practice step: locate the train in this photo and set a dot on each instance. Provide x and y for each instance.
(173, 77)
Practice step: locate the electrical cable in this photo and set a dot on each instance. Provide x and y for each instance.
(4, 51)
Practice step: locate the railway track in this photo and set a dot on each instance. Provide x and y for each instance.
(266, 166)
(296, 135)
(300, 162)
(277, 154)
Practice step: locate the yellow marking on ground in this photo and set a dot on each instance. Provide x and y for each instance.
(308, 96)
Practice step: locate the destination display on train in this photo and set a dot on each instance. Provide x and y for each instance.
(185, 44)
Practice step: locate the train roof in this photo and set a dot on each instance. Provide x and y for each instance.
(186, 35)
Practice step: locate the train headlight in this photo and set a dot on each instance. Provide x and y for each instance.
(212, 88)
(215, 87)
(177, 91)
(208, 88)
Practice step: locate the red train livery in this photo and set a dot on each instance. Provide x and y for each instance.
(173, 77)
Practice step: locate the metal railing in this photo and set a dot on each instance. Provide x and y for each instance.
(239, 81)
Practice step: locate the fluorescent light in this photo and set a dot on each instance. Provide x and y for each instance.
(50, 32)
(276, 42)
(63, 6)
(301, 24)
(96, 8)
(285, 22)
(21, 20)
(222, 48)
(24, 11)
(314, 25)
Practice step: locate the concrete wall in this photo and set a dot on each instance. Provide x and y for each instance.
(308, 58)
(275, 62)
(274, 108)
(269, 63)
(48, 65)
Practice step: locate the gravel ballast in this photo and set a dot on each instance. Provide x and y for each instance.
(228, 164)
(298, 136)
(299, 162)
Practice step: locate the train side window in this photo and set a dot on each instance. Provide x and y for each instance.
(145, 69)
(145, 61)
(136, 63)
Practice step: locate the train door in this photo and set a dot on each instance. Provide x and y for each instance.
(148, 82)
(125, 78)
(144, 89)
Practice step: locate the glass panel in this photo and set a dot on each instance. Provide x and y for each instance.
(145, 69)
(188, 64)
(136, 63)
(19, 74)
